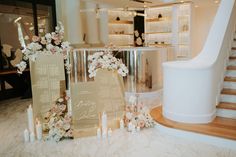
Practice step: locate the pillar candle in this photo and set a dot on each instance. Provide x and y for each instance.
(121, 124)
(104, 133)
(130, 126)
(26, 135)
(39, 130)
(32, 137)
(98, 133)
(109, 132)
(30, 119)
(104, 122)
(138, 128)
(133, 129)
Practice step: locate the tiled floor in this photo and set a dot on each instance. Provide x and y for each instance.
(148, 143)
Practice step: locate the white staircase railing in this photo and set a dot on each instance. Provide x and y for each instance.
(192, 88)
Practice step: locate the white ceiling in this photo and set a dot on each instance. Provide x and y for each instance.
(129, 3)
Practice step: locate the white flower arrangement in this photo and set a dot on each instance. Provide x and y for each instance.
(105, 60)
(50, 43)
(58, 122)
(137, 114)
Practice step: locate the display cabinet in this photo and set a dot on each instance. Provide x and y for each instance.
(170, 25)
(121, 28)
(184, 33)
(158, 29)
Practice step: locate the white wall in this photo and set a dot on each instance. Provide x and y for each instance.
(202, 20)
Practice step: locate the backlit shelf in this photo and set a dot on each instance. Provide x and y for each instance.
(184, 32)
(121, 34)
(158, 32)
(183, 44)
(187, 15)
(125, 45)
(121, 22)
(157, 20)
(160, 45)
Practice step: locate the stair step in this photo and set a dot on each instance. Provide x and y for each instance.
(226, 113)
(232, 57)
(228, 98)
(230, 79)
(231, 67)
(227, 105)
(228, 91)
(229, 85)
(230, 73)
(233, 48)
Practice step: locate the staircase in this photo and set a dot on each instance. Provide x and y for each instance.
(227, 107)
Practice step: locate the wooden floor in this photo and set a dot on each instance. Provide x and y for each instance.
(220, 127)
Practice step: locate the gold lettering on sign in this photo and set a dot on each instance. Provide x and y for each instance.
(90, 99)
(89, 109)
(47, 75)
(84, 108)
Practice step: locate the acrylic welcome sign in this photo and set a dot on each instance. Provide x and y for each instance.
(90, 99)
(48, 82)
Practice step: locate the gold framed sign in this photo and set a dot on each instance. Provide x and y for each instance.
(90, 99)
(48, 82)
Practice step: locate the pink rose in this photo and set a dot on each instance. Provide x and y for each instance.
(69, 133)
(57, 41)
(67, 98)
(127, 108)
(53, 50)
(55, 36)
(67, 119)
(127, 121)
(35, 38)
(44, 42)
(141, 124)
(62, 107)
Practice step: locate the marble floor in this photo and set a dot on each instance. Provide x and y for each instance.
(147, 143)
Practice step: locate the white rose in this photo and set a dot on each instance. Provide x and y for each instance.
(129, 115)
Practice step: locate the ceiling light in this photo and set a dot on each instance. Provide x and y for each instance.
(196, 6)
(182, 1)
(216, 1)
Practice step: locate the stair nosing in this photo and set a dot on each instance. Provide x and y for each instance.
(232, 57)
(229, 79)
(228, 91)
(226, 106)
(231, 67)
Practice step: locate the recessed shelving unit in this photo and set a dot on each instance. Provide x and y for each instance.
(121, 34)
(184, 27)
(170, 25)
(155, 20)
(121, 28)
(158, 32)
(121, 22)
(158, 26)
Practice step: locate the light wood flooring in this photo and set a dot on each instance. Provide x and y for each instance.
(220, 127)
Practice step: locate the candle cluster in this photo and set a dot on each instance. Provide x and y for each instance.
(29, 134)
(103, 131)
(132, 128)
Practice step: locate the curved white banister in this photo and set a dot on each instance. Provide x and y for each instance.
(192, 88)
